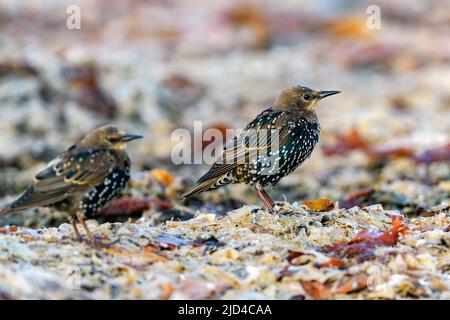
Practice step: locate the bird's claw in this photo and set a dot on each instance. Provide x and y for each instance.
(99, 244)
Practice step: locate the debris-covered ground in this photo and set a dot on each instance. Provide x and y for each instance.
(381, 169)
(249, 254)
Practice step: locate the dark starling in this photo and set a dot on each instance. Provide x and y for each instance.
(81, 180)
(270, 147)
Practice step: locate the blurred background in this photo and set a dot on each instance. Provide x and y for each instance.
(153, 66)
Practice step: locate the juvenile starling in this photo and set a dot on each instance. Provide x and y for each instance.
(270, 147)
(81, 180)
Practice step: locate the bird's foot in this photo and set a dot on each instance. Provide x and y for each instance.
(77, 238)
(100, 243)
(273, 208)
(282, 207)
(95, 242)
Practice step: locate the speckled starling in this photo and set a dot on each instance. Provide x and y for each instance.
(81, 180)
(270, 147)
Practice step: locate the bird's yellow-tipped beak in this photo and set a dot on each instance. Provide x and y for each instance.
(327, 93)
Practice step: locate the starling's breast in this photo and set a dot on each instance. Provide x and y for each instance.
(111, 187)
(279, 162)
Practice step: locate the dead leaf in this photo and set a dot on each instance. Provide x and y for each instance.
(222, 127)
(355, 283)
(82, 86)
(362, 247)
(347, 27)
(163, 176)
(315, 289)
(388, 238)
(125, 206)
(352, 140)
(391, 153)
(299, 258)
(356, 198)
(167, 291)
(251, 18)
(332, 262)
(320, 204)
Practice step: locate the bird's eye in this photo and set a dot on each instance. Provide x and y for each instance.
(306, 97)
(113, 140)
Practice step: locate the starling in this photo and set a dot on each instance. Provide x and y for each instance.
(82, 179)
(270, 147)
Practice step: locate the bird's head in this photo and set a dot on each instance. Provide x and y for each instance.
(301, 99)
(109, 137)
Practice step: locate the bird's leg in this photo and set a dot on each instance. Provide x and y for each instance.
(83, 223)
(74, 227)
(262, 194)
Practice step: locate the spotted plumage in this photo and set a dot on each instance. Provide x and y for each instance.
(111, 187)
(270, 147)
(81, 180)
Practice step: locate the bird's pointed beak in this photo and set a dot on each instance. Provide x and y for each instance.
(327, 93)
(128, 137)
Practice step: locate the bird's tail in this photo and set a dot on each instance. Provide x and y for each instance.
(207, 185)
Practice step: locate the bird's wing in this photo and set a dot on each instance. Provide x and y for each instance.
(256, 139)
(75, 172)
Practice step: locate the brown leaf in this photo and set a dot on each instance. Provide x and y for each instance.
(332, 262)
(167, 291)
(362, 247)
(382, 153)
(355, 283)
(251, 18)
(351, 140)
(293, 255)
(320, 204)
(387, 238)
(347, 27)
(179, 82)
(163, 176)
(125, 206)
(315, 289)
(380, 55)
(355, 198)
(82, 82)
(222, 127)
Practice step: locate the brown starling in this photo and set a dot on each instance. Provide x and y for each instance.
(81, 180)
(270, 147)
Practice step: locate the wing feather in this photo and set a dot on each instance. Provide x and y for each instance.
(75, 172)
(254, 140)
